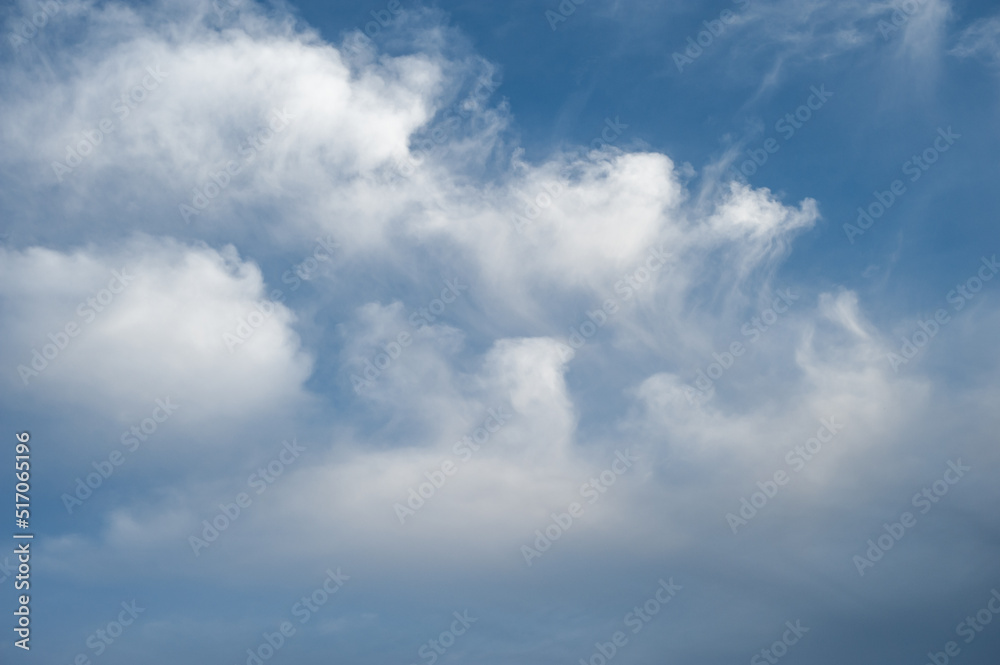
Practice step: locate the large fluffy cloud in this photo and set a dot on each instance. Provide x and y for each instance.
(115, 328)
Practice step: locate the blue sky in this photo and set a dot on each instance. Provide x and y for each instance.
(496, 337)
